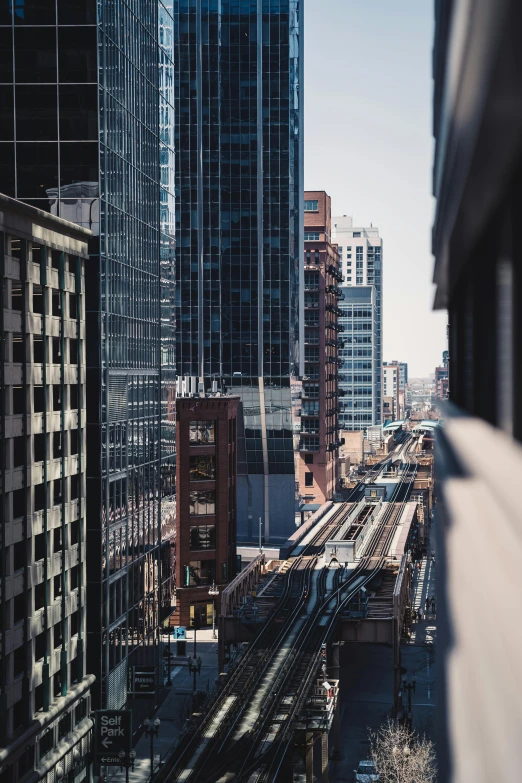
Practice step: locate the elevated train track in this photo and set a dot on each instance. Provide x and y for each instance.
(247, 731)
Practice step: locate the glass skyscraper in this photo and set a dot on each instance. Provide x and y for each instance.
(86, 134)
(238, 115)
(359, 320)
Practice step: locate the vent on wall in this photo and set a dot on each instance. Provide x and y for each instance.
(117, 398)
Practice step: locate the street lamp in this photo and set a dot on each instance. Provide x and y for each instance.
(127, 762)
(151, 730)
(194, 667)
(213, 591)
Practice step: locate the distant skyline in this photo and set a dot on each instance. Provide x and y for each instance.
(368, 143)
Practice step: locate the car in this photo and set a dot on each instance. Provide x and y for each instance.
(366, 772)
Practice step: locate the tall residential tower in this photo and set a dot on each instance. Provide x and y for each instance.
(360, 251)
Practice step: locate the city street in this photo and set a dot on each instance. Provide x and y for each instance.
(367, 683)
(175, 709)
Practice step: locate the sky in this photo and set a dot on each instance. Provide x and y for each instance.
(368, 143)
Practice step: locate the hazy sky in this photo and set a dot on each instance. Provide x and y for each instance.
(368, 143)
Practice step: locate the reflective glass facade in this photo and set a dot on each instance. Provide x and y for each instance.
(359, 319)
(238, 185)
(91, 141)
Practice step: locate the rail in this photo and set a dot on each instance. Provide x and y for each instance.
(275, 679)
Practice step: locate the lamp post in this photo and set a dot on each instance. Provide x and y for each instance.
(213, 591)
(127, 762)
(194, 667)
(169, 681)
(151, 730)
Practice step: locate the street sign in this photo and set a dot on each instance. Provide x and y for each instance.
(142, 681)
(113, 733)
(180, 632)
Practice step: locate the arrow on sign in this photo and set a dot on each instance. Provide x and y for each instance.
(106, 742)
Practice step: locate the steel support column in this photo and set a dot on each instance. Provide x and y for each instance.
(309, 757)
(324, 757)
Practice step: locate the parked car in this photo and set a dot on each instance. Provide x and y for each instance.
(366, 772)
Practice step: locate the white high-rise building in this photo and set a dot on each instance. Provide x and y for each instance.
(361, 252)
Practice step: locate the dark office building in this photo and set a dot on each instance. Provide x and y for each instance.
(238, 141)
(478, 273)
(86, 107)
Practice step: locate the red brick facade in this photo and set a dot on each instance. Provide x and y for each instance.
(206, 438)
(319, 443)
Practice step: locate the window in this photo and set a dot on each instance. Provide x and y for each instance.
(18, 400)
(202, 572)
(75, 577)
(73, 440)
(18, 451)
(356, 234)
(309, 478)
(38, 399)
(56, 302)
(57, 350)
(203, 537)
(18, 348)
(39, 545)
(46, 743)
(57, 398)
(312, 236)
(73, 351)
(19, 608)
(64, 726)
(73, 305)
(57, 445)
(311, 206)
(309, 459)
(39, 601)
(39, 498)
(73, 397)
(202, 468)
(19, 499)
(202, 501)
(19, 556)
(38, 352)
(202, 432)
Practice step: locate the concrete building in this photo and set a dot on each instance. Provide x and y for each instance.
(319, 442)
(206, 517)
(359, 393)
(239, 232)
(361, 254)
(44, 689)
(391, 387)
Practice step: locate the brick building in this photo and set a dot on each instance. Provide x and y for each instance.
(319, 443)
(206, 438)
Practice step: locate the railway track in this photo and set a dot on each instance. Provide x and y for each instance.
(246, 733)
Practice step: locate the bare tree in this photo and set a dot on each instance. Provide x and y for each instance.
(402, 756)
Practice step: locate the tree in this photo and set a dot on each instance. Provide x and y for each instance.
(402, 756)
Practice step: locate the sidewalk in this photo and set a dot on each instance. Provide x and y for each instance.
(418, 654)
(175, 709)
